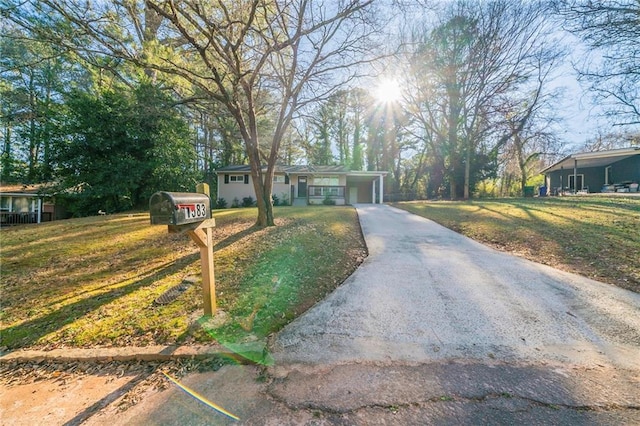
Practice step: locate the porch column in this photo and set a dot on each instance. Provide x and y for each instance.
(39, 210)
(373, 191)
(381, 192)
(575, 176)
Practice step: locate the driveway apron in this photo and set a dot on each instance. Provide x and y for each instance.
(426, 293)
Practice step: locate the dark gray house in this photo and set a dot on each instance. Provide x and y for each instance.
(616, 170)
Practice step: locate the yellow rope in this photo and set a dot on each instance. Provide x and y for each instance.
(200, 398)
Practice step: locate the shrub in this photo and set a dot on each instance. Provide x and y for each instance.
(235, 203)
(248, 201)
(284, 201)
(221, 203)
(275, 200)
(328, 201)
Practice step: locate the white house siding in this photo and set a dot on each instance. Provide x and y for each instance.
(342, 179)
(282, 191)
(360, 185)
(320, 201)
(241, 190)
(232, 190)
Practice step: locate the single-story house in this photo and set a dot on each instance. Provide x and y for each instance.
(303, 185)
(615, 170)
(24, 204)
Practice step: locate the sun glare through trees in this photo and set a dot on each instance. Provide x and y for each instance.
(454, 99)
(387, 90)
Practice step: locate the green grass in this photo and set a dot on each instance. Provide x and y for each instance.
(92, 282)
(598, 237)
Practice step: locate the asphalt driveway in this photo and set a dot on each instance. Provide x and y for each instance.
(426, 293)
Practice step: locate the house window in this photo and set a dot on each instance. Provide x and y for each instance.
(278, 179)
(236, 178)
(323, 191)
(326, 180)
(21, 205)
(5, 204)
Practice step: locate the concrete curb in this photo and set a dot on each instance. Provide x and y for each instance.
(146, 353)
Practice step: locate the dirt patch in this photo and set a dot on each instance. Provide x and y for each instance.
(69, 393)
(66, 399)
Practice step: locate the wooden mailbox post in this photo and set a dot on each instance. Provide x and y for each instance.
(191, 213)
(202, 236)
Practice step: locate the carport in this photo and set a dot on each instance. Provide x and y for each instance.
(365, 187)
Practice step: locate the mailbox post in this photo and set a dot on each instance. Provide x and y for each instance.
(191, 213)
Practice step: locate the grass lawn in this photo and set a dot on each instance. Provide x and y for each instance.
(92, 282)
(598, 237)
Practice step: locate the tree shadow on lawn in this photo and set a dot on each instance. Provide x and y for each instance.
(29, 332)
(38, 241)
(561, 240)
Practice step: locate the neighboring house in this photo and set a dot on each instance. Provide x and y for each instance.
(24, 204)
(616, 170)
(302, 185)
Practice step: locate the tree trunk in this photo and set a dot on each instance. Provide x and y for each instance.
(522, 164)
(262, 185)
(467, 172)
(452, 187)
(356, 164)
(7, 161)
(33, 146)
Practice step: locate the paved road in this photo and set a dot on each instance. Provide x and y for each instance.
(426, 293)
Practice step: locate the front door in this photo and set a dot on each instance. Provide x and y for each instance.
(302, 187)
(353, 194)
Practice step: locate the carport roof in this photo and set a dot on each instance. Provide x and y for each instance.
(593, 159)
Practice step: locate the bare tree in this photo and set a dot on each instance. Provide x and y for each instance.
(612, 33)
(529, 117)
(612, 140)
(272, 52)
(478, 57)
(251, 56)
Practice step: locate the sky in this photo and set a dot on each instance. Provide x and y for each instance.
(582, 118)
